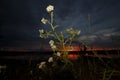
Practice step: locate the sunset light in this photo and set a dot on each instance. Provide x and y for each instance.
(60, 40)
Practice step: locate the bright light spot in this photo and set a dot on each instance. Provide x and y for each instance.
(73, 56)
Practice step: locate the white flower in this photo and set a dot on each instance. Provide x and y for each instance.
(58, 54)
(53, 47)
(70, 31)
(50, 8)
(42, 64)
(41, 36)
(78, 32)
(44, 21)
(51, 42)
(41, 31)
(50, 59)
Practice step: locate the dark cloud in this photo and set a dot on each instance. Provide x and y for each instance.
(20, 20)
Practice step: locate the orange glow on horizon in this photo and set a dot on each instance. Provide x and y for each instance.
(72, 48)
(73, 56)
(77, 48)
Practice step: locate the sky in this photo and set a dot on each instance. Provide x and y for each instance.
(20, 20)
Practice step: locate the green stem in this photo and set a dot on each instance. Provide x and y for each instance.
(58, 38)
(51, 14)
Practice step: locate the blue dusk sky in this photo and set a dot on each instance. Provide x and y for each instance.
(98, 20)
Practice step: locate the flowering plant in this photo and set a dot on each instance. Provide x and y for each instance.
(59, 66)
(59, 60)
(59, 41)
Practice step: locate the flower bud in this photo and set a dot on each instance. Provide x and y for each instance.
(58, 54)
(44, 21)
(42, 64)
(50, 59)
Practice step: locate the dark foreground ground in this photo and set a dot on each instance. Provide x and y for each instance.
(23, 65)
